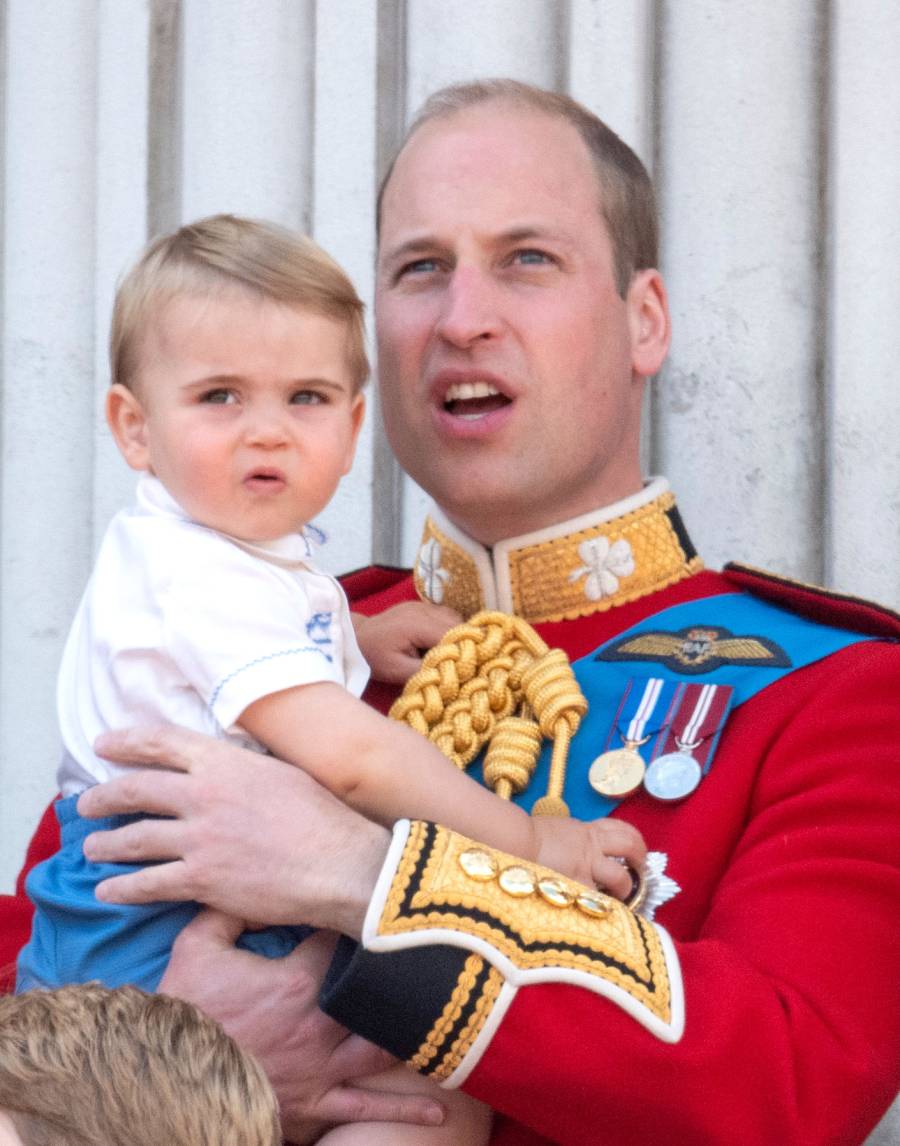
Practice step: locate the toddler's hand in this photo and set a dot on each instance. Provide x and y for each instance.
(590, 852)
(393, 641)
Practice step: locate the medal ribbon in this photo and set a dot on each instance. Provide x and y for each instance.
(638, 707)
(698, 722)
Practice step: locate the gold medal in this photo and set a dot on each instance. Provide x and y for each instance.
(619, 773)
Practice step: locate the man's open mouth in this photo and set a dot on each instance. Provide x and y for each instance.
(473, 399)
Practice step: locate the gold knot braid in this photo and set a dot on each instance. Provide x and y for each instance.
(492, 680)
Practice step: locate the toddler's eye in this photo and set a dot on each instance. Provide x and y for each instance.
(220, 397)
(307, 398)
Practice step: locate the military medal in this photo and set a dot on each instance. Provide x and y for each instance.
(675, 775)
(619, 772)
(691, 741)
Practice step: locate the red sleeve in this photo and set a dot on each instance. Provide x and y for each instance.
(791, 979)
(792, 991)
(16, 910)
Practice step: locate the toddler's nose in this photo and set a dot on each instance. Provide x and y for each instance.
(266, 428)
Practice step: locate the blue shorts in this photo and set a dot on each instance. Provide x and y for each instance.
(75, 938)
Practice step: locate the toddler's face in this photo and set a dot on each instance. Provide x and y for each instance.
(244, 409)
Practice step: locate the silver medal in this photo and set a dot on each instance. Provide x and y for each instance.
(673, 776)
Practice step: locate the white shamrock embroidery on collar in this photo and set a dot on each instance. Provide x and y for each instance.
(603, 565)
(428, 567)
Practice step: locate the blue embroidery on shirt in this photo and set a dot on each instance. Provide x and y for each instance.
(313, 535)
(318, 628)
(260, 660)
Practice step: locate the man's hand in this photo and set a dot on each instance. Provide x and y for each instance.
(270, 1007)
(251, 835)
(393, 641)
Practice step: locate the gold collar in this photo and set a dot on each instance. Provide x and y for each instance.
(586, 565)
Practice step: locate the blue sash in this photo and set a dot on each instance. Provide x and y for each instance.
(604, 681)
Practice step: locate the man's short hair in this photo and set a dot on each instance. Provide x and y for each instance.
(218, 254)
(86, 1064)
(627, 201)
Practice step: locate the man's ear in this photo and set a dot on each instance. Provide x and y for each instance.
(128, 423)
(357, 413)
(648, 311)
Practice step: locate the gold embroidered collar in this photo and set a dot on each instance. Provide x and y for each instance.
(587, 565)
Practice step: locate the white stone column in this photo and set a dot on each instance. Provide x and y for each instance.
(740, 415)
(863, 539)
(48, 364)
(343, 221)
(247, 108)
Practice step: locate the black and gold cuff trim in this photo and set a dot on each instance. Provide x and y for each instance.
(455, 929)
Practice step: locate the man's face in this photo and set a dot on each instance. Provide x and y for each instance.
(506, 355)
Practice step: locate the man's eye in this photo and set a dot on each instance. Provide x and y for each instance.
(307, 398)
(219, 397)
(531, 257)
(418, 267)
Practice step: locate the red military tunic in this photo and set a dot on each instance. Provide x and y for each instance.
(785, 928)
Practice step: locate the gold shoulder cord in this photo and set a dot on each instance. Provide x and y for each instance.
(492, 680)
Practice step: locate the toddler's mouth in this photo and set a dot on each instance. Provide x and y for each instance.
(265, 479)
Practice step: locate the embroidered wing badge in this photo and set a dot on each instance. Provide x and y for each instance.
(697, 649)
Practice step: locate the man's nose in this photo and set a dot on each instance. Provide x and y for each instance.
(470, 308)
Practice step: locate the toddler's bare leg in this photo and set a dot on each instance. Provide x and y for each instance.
(468, 1123)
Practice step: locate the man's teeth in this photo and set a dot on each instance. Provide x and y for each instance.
(460, 391)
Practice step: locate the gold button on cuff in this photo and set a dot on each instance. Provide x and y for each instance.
(517, 881)
(555, 892)
(594, 905)
(478, 864)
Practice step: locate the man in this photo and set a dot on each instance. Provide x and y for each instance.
(519, 314)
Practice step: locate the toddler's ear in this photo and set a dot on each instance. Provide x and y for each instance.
(128, 423)
(357, 413)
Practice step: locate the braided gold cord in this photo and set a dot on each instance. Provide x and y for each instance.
(480, 685)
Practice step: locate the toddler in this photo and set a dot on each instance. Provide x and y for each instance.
(238, 360)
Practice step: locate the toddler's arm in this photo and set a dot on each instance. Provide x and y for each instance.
(393, 641)
(387, 771)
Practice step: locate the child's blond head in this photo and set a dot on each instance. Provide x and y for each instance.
(223, 253)
(87, 1064)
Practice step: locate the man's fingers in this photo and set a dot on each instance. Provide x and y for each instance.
(356, 1057)
(211, 929)
(156, 793)
(355, 1104)
(431, 623)
(136, 843)
(163, 745)
(314, 955)
(167, 881)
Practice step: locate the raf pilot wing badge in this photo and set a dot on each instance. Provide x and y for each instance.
(697, 649)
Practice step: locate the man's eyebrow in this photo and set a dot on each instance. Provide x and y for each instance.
(527, 232)
(417, 245)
